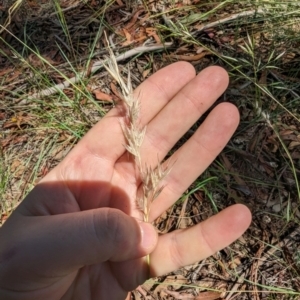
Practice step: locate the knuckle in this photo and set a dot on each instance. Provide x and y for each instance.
(107, 226)
(114, 233)
(112, 224)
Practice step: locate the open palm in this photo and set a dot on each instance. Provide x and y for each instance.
(79, 235)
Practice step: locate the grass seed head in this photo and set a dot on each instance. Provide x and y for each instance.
(134, 134)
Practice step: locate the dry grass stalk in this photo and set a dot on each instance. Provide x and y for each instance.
(134, 134)
(13, 7)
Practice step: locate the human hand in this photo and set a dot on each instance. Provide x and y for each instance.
(77, 235)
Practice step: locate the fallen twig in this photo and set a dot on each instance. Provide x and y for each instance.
(96, 66)
(228, 19)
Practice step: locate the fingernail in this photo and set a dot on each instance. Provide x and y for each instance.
(148, 236)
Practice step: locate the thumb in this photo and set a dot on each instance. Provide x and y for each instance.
(66, 242)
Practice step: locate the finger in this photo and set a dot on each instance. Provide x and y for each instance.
(184, 247)
(64, 243)
(182, 112)
(106, 139)
(196, 155)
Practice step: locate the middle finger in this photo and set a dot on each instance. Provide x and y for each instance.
(181, 113)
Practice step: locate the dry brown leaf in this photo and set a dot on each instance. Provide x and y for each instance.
(202, 296)
(15, 164)
(151, 32)
(102, 96)
(95, 3)
(286, 132)
(293, 144)
(17, 121)
(189, 57)
(3, 218)
(146, 73)
(115, 90)
(17, 168)
(6, 71)
(13, 139)
(180, 296)
(12, 76)
(230, 168)
(44, 171)
(208, 296)
(128, 35)
(37, 61)
(134, 19)
(120, 3)
(145, 18)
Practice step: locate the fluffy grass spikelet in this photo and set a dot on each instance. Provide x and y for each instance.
(134, 135)
(152, 187)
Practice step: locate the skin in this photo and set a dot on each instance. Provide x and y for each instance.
(78, 234)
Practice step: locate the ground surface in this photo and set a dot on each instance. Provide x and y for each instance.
(45, 43)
